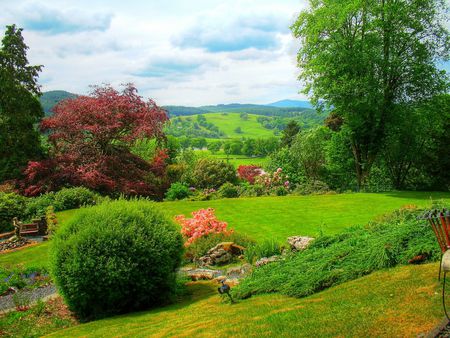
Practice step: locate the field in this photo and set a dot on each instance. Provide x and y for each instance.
(228, 122)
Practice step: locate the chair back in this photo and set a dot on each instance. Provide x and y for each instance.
(440, 222)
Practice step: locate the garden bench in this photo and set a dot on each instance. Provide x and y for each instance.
(440, 223)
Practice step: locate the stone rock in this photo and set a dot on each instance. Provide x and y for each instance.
(222, 253)
(13, 244)
(299, 243)
(200, 274)
(266, 260)
(239, 272)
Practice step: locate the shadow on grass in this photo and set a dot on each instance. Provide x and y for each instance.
(196, 291)
(420, 195)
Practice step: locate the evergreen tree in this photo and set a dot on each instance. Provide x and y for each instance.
(289, 133)
(20, 109)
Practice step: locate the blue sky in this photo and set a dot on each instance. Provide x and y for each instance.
(177, 52)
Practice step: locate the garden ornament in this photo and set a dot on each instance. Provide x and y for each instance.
(225, 289)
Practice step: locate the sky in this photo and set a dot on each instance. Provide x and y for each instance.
(177, 52)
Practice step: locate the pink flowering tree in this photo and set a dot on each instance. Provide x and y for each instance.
(202, 223)
(273, 180)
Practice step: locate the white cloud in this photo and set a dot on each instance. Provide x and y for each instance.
(165, 48)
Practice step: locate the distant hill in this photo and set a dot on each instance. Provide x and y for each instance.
(291, 104)
(51, 98)
(239, 108)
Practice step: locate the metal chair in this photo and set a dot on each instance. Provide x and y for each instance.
(440, 222)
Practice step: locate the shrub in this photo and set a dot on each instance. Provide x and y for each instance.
(249, 172)
(11, 205)
(257, 251)
(314, 187)
(177, 191)
(252, 190)
(358, 251)
(72, 198)
(212, 174)
(66, 198)
(116, 257)
(202, 223)
(228, 190)
(200, 246)
(37, 206)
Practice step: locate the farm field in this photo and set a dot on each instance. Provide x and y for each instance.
(228, 122)
(399, 302)
(271, 218)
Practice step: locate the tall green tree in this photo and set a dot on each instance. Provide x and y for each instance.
(20, 109)
(289, 133)
(366, 59)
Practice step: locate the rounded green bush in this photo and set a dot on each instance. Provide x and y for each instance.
(210, 173)
(177, 191)
(117, 257)
(71, 198)
(228, 190)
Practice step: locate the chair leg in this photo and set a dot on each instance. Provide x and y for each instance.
(443, 297)
(440, 267)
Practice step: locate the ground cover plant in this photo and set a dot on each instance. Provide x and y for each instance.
(398, 238)
(116, 257)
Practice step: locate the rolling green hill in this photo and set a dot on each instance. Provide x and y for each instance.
(51, 98)
(225, 125)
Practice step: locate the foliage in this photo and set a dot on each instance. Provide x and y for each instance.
(20, 109)
(201, 245)
(368, 61)
(311, 187)
(291, 167)
(92, 137)
(289, 133)
(11, 205)
(358, 251)
(116, 257)
(64, 199)
(177, 191)
(252, 190)
(52, 221)
(210, 173)
(194, 128)
(249, 172)
(262, 249)
(308, 149)
(228, 190)
(202, 223)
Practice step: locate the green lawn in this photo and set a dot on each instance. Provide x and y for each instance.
(400, 302)
(272, 218)
(235, 160)
(279, 217)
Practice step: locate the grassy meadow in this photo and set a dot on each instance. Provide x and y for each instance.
(228, 122)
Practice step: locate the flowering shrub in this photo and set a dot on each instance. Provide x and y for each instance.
(273, 181)
(202, 223)
(249, 172)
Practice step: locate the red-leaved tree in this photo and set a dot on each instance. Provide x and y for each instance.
(91, 137)
(249, 172)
